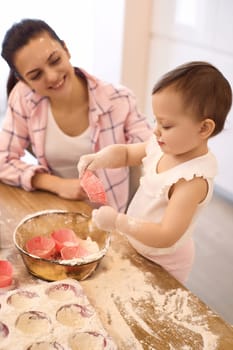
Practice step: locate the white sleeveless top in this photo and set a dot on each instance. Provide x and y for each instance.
(63, 151)
(151, 198)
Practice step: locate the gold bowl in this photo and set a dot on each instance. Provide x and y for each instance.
(43, 223)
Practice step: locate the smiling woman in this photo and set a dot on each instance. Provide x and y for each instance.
(83, 30)
(77, 22)
(61, 112)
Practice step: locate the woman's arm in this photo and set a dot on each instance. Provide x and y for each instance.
(15, 139)
(65, 188)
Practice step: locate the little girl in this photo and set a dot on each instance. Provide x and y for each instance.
(190, 105)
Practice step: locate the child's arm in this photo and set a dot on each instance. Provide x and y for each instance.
(113, 156)
(185, 197)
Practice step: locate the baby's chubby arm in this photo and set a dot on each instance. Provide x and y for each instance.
(113, 156)
(185, 197)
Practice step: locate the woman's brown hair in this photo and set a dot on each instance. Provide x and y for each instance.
(17, 37)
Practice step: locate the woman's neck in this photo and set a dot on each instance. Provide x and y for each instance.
(71, 112)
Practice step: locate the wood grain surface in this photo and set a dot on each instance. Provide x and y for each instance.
(140, 305)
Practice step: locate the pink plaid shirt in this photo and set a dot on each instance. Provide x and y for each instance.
(113, 118)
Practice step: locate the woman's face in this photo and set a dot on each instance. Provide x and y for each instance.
(44, 65)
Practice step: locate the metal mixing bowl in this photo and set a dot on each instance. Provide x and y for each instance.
(43, 223)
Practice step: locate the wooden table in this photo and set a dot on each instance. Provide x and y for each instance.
(140, 305)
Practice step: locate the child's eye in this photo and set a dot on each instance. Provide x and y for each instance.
(166, 127)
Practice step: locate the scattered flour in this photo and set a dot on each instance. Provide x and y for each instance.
(137, 314)
(124, 291)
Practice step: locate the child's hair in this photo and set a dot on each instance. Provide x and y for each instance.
(204, 89)
(17, 37)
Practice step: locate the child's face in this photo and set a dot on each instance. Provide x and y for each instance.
(178, 132)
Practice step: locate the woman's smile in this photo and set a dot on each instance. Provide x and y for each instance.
(58, 85)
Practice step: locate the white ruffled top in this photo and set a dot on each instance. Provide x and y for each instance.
(151, 198)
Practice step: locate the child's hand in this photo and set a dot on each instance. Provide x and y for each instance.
(112, 156)
(85, 162)
(105, 218)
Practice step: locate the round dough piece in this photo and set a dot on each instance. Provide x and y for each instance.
(43, 345)
(74, 315)
(22, 299)
(62, 292)
(33, 322)
(4, 330)
(87, 340)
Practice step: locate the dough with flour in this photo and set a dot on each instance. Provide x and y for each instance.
(87, 340)
(74, 315)
(33, 322)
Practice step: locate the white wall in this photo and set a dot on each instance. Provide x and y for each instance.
(92, 30)
(185, 30)
(108, 39)
(137, 27)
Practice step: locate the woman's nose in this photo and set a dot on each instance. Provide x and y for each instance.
(50, 75)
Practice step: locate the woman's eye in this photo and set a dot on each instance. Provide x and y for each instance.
(36, 76)
(55, 61)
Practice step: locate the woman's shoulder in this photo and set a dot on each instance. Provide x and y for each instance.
(20, 89)
(100, 86)
(23, 95)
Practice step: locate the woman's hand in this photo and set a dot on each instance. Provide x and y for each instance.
(71, 189)
(105, 218)
(65, 188)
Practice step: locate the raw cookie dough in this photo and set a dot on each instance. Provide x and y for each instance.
(33, 322)
(46, 346)
(74, 315)
(87, 340)
(62, 291)
(22, 299)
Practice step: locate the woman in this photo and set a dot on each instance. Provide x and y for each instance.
(61, 112)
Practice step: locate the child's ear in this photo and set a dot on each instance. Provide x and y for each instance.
(207, 128)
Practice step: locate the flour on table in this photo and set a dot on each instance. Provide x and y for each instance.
(51, 321)
(174, 308)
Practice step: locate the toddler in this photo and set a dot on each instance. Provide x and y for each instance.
(190, 105)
